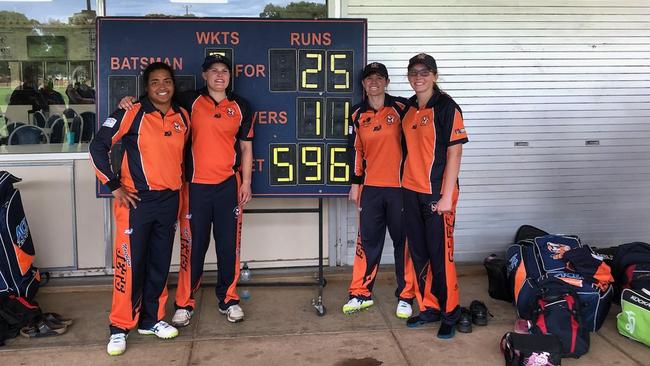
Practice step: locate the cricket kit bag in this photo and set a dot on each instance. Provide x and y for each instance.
(634, 319)
(531, 349)
(18, 276)
(558, 312)
(631, 267)
(564, 258)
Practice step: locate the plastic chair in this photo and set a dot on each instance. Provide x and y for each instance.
(12, 126)
(76, 126)
(70, 113)
(89, 123)
(57, 130)
(28, 135)
(51, 120)
(39, 119)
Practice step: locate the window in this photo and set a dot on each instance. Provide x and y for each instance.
(47, 62)
(46, 80)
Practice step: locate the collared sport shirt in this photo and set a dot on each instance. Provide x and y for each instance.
(375, 143)
(217, 127)
(428, 133)
(152, 146)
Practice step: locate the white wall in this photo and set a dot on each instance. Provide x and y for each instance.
(557, 74)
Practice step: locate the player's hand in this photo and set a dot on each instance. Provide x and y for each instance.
(444, 205)
(245, 195)
(126, 103)
(125, 198)
(354, 193)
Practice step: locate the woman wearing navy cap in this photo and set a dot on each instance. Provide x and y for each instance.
(218, 167)
(434, 133)
(375, 143)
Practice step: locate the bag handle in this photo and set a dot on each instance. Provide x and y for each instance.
(506, 348)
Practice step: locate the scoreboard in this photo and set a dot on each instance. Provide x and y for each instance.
(300, 77)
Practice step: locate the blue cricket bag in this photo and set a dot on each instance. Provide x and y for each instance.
(18, 276)
(532, 261)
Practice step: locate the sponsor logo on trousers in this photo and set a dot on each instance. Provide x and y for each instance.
(449, 235)
(119, 277)
(186, 242)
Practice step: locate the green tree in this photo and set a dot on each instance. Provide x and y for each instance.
(303, 9)
(83, 17)
(55, 22)
(15, 18)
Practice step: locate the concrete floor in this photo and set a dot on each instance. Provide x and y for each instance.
(282, 328)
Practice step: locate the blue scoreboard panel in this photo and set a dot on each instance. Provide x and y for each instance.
(301, 78)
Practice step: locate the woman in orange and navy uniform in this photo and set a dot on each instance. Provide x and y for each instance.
(146, 205)
(375, 143)
(219, 165)
(219, 168)
(434, 134)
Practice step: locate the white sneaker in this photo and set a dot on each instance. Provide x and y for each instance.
(404, 310)
(234, 313)
(182, 317)
(355, 304)
(117, 344)
(161, 330)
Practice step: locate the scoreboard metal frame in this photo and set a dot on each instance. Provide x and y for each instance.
(301, 78)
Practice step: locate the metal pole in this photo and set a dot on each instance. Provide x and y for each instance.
(101, 8)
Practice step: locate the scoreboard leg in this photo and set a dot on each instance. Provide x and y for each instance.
(320, 282)
(318, 302)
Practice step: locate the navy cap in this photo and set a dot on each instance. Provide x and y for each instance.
(374, 68)
(424, 59)
(213, 59)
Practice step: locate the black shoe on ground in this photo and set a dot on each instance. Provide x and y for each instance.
(465, 321)
(446, 331)
(479, 313)
(425, 317)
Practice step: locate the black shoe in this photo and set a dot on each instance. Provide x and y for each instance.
(479, 313)
(425, 317)
(446, 331)
(465, 321)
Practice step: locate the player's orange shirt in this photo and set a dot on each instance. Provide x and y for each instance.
(428, 133)
(217, 127)
(152, 147)
(375, 140)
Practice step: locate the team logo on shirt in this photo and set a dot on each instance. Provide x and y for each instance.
(390, 119)
(110, 122)
(236, 211)
(230, 112)
(424, 121)
(177, 127)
